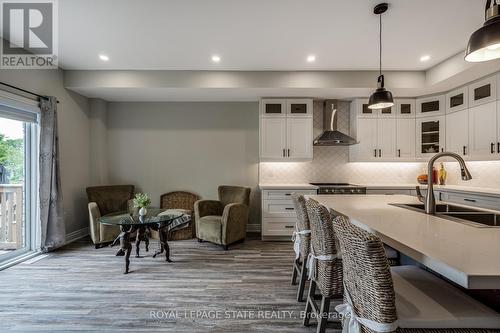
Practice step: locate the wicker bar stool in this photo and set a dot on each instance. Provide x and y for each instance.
(406, 299)
(302, 243)
(324, 266)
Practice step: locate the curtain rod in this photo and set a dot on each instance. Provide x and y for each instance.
(25, 91)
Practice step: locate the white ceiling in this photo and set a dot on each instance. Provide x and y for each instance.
(261, 34)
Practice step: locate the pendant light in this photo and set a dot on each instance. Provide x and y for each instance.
(381, 98)
(484, 43)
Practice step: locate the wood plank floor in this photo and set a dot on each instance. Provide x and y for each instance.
(79, 288)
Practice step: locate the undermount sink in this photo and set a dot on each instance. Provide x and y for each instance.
(476, 217)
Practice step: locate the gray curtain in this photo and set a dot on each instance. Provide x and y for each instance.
(53, 230)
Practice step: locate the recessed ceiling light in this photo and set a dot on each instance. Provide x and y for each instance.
(103, 57)
(425, 58)
(311, 58)
(215, 58)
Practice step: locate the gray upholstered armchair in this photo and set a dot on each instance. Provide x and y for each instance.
(104, 200)
(224, 221)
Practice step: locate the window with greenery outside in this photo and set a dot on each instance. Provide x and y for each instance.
(11, 160)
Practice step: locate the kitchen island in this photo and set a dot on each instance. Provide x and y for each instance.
(465, 254)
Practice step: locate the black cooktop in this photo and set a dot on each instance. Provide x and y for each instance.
(334, 185)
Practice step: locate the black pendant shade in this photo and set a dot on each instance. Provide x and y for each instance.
(381, 98)
(484, 43)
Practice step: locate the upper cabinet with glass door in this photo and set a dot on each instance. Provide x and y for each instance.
(405, 108)
(457, 100)
(362, 110)
(299, 107)
(273, 107)
(431, 106)
(483, 91)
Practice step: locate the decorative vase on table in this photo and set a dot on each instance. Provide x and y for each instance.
(142, 201)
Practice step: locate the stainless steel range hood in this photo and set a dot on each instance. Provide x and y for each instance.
(331, 136)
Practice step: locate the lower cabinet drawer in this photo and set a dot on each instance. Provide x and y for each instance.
(278, 227)
(278, 208)
(472, 200)
(389, 191)
(283, 194)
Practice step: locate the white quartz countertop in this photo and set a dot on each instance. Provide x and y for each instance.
(303, 186)
(465, 254)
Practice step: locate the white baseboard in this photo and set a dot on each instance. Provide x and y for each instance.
(253, 227)
(77, 234)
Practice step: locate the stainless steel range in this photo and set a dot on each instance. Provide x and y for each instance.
(339, 188)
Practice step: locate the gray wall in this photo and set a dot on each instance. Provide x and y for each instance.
(161, 147)
(73, 134)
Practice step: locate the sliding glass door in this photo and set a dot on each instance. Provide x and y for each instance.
(18, 179)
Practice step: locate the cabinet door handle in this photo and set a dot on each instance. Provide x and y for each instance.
(498, 147)
(399, 152)
(375, 152)
(284, 154)
(288, 152)
(465, 147)
(470, 200)
(380, 153)
(492, 148)
(442, 149)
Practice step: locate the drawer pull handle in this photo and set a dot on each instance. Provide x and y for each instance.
(470, 200)
(288, 194)
(289, 226)
(289, 208)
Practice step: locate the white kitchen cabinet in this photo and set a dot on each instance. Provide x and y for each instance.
(483, 131)
(386, 112)
(299, 137)
(273, 107)
(431, 106)
(470, 199)
(299, 107)
(273, 135)
(405, 108)
(405, 138)
(457, 100)
(483, 91)
(286, 130)
(278, 213)
(498, 128)
(430, 135)
(386, 138)
(362, 110)
(377, 140)
(366, 149)
(457, 132)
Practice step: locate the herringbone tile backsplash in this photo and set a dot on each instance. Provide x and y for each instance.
(331, 164)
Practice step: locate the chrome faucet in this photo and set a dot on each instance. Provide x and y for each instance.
(430, 200)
